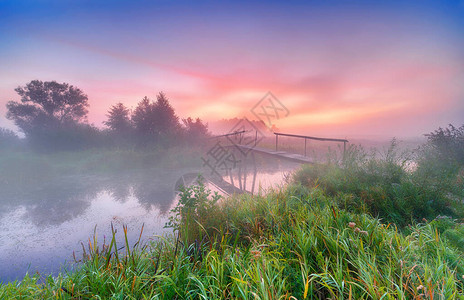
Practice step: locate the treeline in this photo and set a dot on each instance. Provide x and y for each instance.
(53, 116)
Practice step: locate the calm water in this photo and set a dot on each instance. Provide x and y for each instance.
(42, 225)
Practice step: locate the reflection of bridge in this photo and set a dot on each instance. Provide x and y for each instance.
(219, 183)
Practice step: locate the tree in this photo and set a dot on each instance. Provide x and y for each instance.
(167, 121)
(52, 115)
(156, 119)
(195, 129)
(119, 119)
(47, 105)
(144, 117)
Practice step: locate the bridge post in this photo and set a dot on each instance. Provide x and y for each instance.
(305, 147)
(344, 150)
(277, 136)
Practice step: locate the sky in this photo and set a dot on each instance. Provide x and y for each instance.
(340, 68)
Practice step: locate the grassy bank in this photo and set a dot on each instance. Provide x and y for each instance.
(387, 186)
(294, 243)
(361, 227)
(29, 167)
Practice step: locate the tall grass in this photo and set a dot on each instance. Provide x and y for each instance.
(293, 243)
(382, 186)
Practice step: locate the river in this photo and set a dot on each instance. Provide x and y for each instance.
(43, 225)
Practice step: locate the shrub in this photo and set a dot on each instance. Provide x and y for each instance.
(196, 206)
(8, 139)
(381, 186)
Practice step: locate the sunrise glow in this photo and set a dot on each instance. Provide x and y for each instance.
(375, 68)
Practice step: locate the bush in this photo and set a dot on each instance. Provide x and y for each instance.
(66, 138)
(196, 206)
(8, 139)
(381, 186)
(448, 144)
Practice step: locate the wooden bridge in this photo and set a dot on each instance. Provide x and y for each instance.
(252, 145)
(246, 145)
(306, 137)
(278, 154)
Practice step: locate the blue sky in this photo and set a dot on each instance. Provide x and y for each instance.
(390, 68)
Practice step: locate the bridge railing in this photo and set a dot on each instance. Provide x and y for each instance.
(228, 134)
(306, 137)
(239, 136)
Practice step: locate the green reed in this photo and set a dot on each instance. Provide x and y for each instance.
(296, 242)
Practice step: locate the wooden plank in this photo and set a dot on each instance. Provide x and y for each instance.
(279, 154)
(312, 137)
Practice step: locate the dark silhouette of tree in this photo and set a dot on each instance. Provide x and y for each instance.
(167, 121)
(52, 116)
(156, 119)
(47, 105)
(119, 119)
(195, 129)
(144, 117)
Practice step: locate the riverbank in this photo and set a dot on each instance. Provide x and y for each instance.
(293, 242)
(45, 217)
(50, 202)
(358, 227)
(25, 165)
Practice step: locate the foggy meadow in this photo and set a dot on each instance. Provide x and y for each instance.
(231, 150)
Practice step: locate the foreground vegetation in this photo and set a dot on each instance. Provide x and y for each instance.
(385, 186)
(290, 244)
(363, 227)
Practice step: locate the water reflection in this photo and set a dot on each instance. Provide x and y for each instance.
(155, 193)
(60, 201)
(250, 172)
(53, 203)
(42, 224)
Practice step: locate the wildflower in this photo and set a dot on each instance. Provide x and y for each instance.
(256, 254)
(424, 220)
(352, 224)
(364, 232)
(420, 287)
(357, 230)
